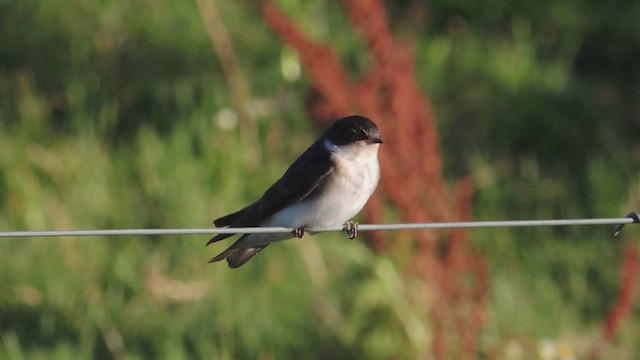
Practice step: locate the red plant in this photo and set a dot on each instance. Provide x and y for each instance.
(456, 278)
(623, 306)
(625, 302)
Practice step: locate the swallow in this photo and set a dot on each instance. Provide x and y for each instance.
(325, 187)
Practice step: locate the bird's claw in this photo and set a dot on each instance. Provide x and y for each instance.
(298, 233)
(351, 228)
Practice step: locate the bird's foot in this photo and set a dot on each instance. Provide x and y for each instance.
(351, 228)
(298, 233)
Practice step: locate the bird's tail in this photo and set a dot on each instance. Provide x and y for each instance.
(237, 257)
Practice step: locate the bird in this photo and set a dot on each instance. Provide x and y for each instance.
(325, 187)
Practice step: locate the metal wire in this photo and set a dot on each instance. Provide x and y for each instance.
(620, 222)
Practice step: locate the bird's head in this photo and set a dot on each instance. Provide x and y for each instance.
(353, 130)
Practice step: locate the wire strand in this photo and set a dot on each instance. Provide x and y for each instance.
(631, 218)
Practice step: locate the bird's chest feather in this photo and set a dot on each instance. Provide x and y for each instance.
(343, 195)
(354, 181)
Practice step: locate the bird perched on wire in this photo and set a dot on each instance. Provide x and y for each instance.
(325, 187)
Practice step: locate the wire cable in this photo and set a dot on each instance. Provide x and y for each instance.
(619, 222)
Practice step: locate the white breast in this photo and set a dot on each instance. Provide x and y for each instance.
(356, 176)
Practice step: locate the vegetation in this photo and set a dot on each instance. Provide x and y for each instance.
(116, 114)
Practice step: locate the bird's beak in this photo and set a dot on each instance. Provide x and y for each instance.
(375, 140)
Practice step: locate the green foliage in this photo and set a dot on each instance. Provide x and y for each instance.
(110, 118)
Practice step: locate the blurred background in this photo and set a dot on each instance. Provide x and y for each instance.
(169, 113)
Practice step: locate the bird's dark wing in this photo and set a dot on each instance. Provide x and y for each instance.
(300, 181)
(229, 219)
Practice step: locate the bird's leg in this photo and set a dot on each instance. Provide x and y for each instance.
(351, 228)
(299, 232)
